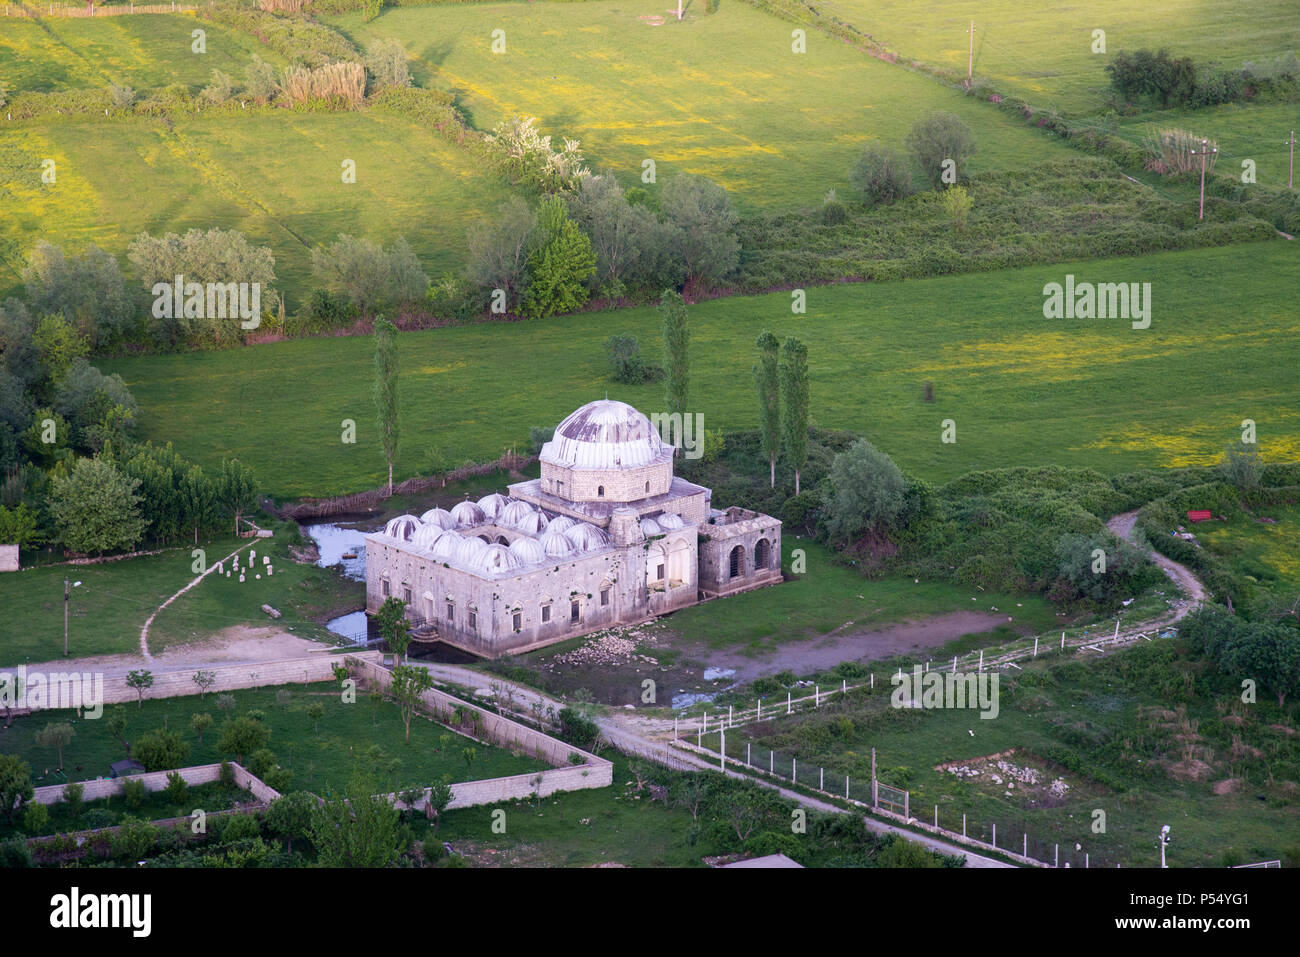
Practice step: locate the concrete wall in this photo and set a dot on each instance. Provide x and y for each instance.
(519, 786)
(157, 781)
(620, 485)
(8, 558)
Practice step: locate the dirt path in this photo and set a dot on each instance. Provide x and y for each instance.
(823, 652)
(144, 631)
(1181, 575)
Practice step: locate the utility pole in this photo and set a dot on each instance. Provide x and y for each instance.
(1290, 170)
(970, 55)
(679, 10)
(1164, 842)
(67, 597)
(1203, 152)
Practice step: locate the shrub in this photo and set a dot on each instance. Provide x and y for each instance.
(881, 175)
(240, 827)
(626, 363)
(134, 839)
(833, 212)
(36, 818)
(527, 157)
(937, 138)
(386, 63)
(133, 790)
(338, 84)
(73, 795)
(219, 90)
(957, 204)
(177, 787)
(161, 750)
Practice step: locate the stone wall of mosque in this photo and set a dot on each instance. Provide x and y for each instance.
(738, 555)
(607, 485)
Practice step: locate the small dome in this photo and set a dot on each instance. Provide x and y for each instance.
(556, 545)
(561, 524)
(492, 505)
(426, 535)
(438, 516)
(528, 551)
(402, 527)
(497, 558)
(533, 524)
(605, 434)
(467, 514)
(445, 546)
(468, 550)
(650, 527)
(514, 513)
(586, 537)
(669, 521)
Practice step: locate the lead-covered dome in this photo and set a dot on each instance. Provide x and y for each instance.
(402, 527)
(467, 514)
(605, 434)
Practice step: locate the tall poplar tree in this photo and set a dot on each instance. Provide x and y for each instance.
(677, 339)
(793, 367)
(768, 382)
(386, 390)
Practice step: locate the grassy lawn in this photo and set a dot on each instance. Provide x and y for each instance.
(276, 178)
(1129, 720)
(143, 51)
(1022, 390)
(721, 95)
(1043, 51)
(321, 761)
(829, 597)
(156, 806)
(1267, 553)
(115, 598)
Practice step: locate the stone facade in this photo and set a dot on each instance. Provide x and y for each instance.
(505, 575)
(8, 558)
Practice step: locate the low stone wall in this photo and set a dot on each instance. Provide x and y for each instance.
(157, 781)
(175, 684)
(8, 558)
(593, 772)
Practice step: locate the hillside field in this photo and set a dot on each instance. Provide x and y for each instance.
(719, 94)
(1021, 389)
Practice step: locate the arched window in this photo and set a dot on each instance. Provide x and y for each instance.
(502, 540)
(487, 540)
(761, 554)
(647, 488)
(737, 560)
(600, 491)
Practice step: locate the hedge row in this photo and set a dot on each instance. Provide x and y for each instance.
(297, 38)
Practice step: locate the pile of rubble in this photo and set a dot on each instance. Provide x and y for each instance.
(608, 648)
(1008, 775)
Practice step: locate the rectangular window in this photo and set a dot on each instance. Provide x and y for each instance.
(406, 594)
(604, 597)
(451, 611)
(517, 618)
(659, 576)
(383, 587)
(573, 611)
(546, 613)
(473, 620)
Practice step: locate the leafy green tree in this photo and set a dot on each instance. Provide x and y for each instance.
(260, 83)
(236, 490)
(408, 686)
(700, 211)
(74, 793)
(957, 204)
(394, 626)
(140, 680)
(1125, 572)
(59, 343)
(632, 247)
(15, 785)
(440, 795)
(36, 818)
(177, 787)
(99, 408)
(315, 711)
(792, 366)
(677, 341)
(386, 406)
(242, 735)
(386, 64)
(95, 509)
(500, 249)
(369, 276)
(57, 736)
(290, 816)
(134, 791)
(469, 754)
(358, 829)
(938, 137)
(161, 750)
(134, 839)
(200, 723)
(867, 492)
(18, 525)
(116, 724)
(89, 290)
(559, 266)
(1240, 465)
(881, 175)
(768, 383)
(199, 500)
(1270, 653)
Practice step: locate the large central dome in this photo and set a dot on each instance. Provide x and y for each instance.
(605, 434)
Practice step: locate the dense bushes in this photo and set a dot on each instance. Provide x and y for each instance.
(298, 39)
(1165, 81)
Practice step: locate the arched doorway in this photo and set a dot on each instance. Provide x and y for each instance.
(737, 561)
(762, 554)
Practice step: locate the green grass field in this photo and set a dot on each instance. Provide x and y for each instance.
(1021, 389)
(321, 760)
(1043, 51)
(277, 178)
(116, 598)
(721, 95)
(142, 51)
(1267, 552)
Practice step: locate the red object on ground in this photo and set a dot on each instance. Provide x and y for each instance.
(1199, 515)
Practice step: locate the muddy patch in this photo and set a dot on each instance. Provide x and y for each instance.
(909, 638)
